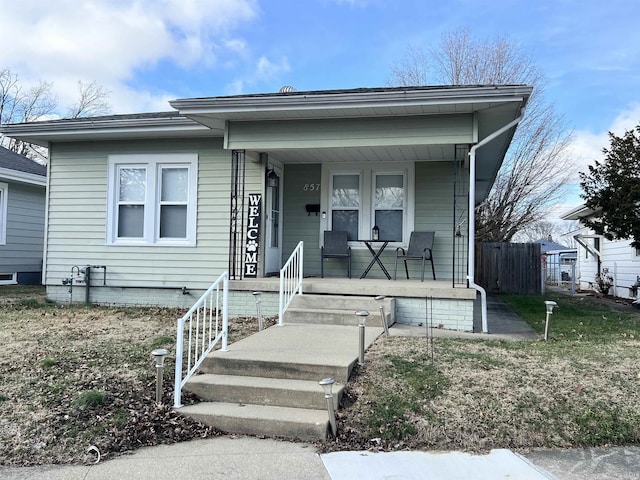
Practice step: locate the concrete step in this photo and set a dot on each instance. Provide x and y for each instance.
(293, 351)
(338, 310)
(262, 391)
(248, 419)
(340, 302)
(225, 365)
(332, 317)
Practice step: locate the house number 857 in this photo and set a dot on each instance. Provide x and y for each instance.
(310, 187)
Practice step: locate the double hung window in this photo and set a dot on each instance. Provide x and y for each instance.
(152, 199)
(345, 204)
(389, 206)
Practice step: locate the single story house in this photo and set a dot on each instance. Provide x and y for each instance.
(22, 207)
(597, 255)
(160, 204)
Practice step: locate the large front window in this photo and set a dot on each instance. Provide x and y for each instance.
(152, 199)
(374, 195)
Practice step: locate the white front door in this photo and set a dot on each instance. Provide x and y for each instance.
(273, 234)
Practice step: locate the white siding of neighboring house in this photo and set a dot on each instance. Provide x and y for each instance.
(618, 256)
(78, 212)
(25, 229)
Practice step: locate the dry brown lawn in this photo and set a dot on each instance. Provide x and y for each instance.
(81, 376)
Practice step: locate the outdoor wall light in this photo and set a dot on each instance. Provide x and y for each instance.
(273, 180)
(362, 322)
(380, 298)
(327, 386)
(549, 305)
(159, 355)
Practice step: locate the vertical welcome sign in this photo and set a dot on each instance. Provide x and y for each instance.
(252, 243)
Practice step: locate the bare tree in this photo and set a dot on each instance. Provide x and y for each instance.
(544, 229)
(19, 105)
(92, 101)
(536, 169)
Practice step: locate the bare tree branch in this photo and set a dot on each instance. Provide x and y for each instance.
(93, 101)
(536, 169)
(18, 105)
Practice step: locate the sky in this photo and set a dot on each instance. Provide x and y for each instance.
(146, 52)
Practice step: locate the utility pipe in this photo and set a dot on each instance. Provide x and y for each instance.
(472, 216)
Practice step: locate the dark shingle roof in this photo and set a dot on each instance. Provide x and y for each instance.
(13, 161)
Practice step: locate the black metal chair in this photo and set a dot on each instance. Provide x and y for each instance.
(335, 246)
(420, 248)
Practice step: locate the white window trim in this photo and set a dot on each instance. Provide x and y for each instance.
(4, 201)
(367, 172)
(12, 281)
(152, 162)
(405, 182)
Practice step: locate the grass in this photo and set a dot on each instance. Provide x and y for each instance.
(79, 376)
(576, 318)
(89, 398)
(74, 376)
(581, 388)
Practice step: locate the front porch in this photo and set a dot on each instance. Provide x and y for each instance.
(429, 303)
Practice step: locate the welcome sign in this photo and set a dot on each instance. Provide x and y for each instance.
(252, 244)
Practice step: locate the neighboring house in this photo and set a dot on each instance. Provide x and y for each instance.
(598, 256)
(557, 260)
(162, 201)
(22, 205)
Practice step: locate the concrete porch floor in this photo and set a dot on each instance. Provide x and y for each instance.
(364, 287)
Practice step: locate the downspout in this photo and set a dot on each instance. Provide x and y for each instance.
(472, 216)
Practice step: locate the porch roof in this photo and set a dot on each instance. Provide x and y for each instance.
(493, 106)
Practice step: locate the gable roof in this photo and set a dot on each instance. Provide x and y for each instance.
(15, 167)
(491, 107)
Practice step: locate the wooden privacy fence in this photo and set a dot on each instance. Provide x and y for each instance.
(509, 267)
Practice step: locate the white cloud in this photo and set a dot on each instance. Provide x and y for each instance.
(587, 146)
(267, 69)
(110, 41)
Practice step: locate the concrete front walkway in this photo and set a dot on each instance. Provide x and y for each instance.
(249, 458)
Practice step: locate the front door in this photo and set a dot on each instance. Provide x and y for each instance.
(273, 233)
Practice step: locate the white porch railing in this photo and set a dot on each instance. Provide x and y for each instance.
(205, 324)
(290, 280)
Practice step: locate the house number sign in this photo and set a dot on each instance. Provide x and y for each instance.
(252, 243)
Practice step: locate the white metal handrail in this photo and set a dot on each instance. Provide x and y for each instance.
(205, 328)
(290, 280)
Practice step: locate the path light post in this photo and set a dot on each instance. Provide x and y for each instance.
(327, 385)
(380, 299)
(159, 354)
(362, 322)
(259, 308)
(549, 304)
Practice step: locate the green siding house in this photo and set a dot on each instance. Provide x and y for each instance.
(161, 204)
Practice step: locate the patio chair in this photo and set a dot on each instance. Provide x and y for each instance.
(335, 246)
(420, 248)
